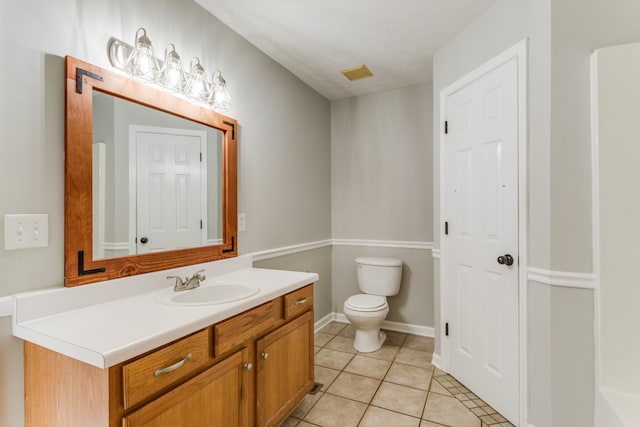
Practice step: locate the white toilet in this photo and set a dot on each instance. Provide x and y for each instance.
(378, 278)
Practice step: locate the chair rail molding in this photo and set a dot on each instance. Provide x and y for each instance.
(563, 279)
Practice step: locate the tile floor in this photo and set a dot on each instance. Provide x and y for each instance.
(396, 386)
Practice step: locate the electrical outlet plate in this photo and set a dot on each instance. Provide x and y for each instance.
(23, 231)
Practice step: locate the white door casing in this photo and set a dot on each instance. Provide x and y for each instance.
(483, 200)
(170, 186)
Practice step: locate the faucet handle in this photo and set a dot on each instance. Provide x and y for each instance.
(199, 275)
(179, 282)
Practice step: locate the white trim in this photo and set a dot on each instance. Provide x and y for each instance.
(115, 246)
(435, 253)
(6, 306)
(323, 322)
(520, 52)
(384, 243)
(407, 328)
(562, 278)
(436, 361)
(289, 250)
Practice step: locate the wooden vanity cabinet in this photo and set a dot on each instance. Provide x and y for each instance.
(250, 370)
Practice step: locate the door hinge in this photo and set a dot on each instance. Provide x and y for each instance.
(446, 329)
(200, 224)
(200, 156)
(446, 127)
(446, 227)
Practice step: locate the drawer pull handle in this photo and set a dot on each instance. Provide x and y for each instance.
(172, 367)
(248, 366)
(264, 356)
(302, 301)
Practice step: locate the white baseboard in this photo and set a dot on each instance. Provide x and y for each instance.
(436, 361)
(407, 328)
(323, 322)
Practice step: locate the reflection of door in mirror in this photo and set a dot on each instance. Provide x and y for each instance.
(170, 184)
(162, 185)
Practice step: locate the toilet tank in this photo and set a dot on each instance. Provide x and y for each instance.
(378, 275)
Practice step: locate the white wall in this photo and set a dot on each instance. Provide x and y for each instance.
(618, 103)
(381, 147)
(284, 135)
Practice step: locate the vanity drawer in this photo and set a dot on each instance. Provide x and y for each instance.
(297, 302)
(164, 367)
(239, 329)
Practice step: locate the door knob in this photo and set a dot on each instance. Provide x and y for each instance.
(144, 240)
(505, 259)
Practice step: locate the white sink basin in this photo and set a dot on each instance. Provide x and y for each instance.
(215, 292)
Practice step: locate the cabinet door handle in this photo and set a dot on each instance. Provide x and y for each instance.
(172, 367)
(264, 356)
(248, 366)
(302, 301)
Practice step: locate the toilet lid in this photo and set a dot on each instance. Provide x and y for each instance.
(366, 302)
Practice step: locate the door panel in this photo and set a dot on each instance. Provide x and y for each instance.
(481, 205)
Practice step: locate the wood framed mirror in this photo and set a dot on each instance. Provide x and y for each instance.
(150, 178)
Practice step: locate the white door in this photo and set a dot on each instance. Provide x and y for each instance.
(170, 177)
(481, 210)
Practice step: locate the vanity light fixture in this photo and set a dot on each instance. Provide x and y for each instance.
(220, 100)
(171, 75)
(142, 63)
(197, 86)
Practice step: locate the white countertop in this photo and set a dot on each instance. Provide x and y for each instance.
(110, 331)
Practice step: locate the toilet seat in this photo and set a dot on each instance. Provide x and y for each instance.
(365, 302)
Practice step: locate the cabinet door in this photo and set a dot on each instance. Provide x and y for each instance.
(285, 370)
(216, 397)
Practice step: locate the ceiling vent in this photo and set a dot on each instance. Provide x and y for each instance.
(358, 72)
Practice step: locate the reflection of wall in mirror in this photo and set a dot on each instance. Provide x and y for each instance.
(115, 116)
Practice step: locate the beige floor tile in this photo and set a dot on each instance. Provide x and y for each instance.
(387, 352)
(325, 376)
(354, 387)
(439, 372)
(395, 338)
(367, 366)
(409, 375)
(411, 357)
(349, 331)
(290, 422)
(449, 411)
(437, 388)
(316, 349)
(423, 423)
(332, 411)
(333, 328)
(333, 359)
(305, 424)
(306, 404)
(406, 400)
(321, 339)
(341, 343)
(415, 342)
(377, 417)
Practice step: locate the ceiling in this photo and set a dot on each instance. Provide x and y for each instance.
(316, 39)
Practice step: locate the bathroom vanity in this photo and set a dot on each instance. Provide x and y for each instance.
(243, 363)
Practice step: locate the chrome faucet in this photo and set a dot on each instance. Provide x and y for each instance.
(189, 282)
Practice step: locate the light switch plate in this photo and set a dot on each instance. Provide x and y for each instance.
(23, 231)
(242, 221)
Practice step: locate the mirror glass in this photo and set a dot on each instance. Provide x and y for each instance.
(156, 180)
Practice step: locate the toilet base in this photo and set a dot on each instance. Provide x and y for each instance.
(367, 341)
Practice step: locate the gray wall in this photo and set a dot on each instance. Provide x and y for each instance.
(382, 190)
(284, 135)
